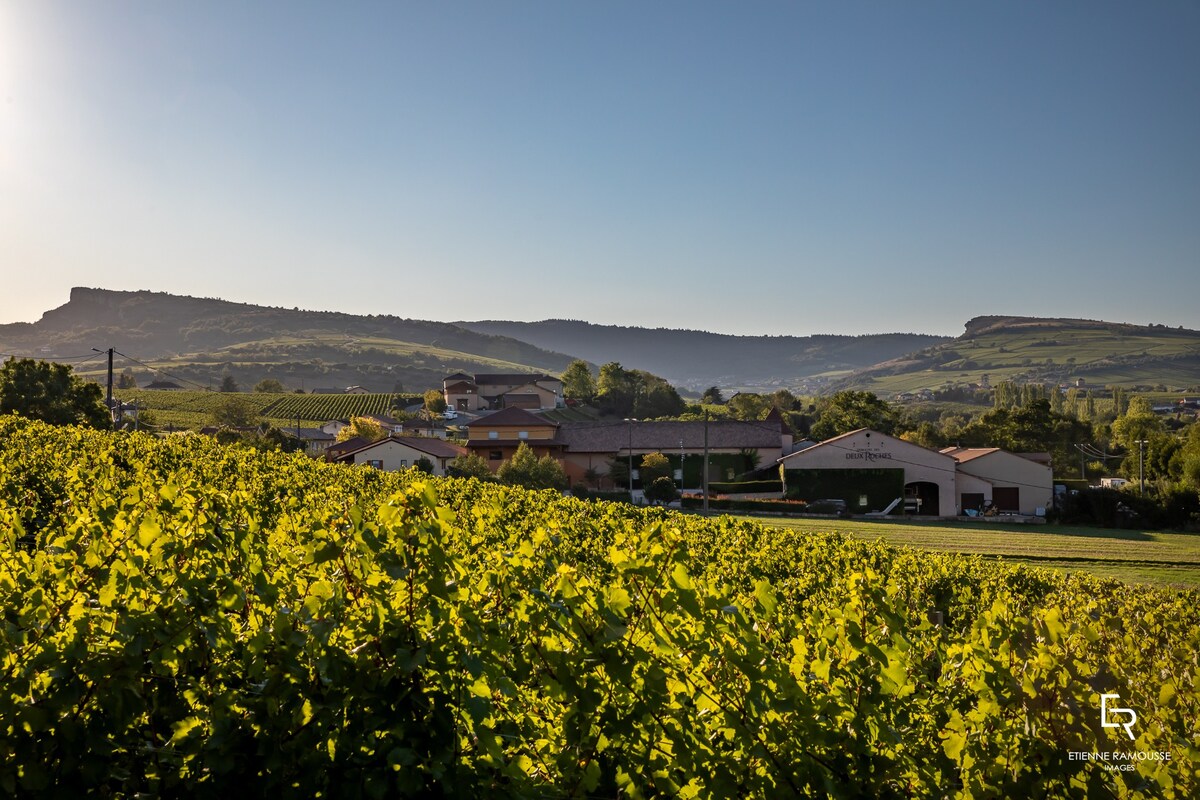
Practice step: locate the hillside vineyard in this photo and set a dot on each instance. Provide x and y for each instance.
(184, 618)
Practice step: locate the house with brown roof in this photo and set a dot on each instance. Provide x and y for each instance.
(403, 452)
(989, 476)
(497, 436)
(316, 440)
(494, 391)
(433, 428)
(333, 451)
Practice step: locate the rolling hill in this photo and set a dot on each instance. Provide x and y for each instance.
(199, 340)
(1043, 350)
(698, 359)
(202, 339)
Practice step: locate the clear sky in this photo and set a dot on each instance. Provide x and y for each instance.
(782, 168)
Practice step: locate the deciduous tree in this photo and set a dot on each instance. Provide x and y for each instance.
(435, 403)
(52, 393)
(470, 465)
(850, 410)
(654, 466)
(578, 382)
(365, 427)
(235, 412)
(526, 469)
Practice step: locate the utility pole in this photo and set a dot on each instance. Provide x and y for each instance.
(681, 466)
(1141, 466)
(704, 477)
(629, 421)
(108, 400)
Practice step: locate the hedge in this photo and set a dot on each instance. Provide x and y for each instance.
(744, 487)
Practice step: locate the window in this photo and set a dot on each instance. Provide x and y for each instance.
(403, 463)
(375, 462)
(495, 455)
(493, 434)
(523, 434)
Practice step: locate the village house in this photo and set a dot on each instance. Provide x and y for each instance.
(496, 437)
(402, 452)
(316, 440)
(432, 428)
(483, 392)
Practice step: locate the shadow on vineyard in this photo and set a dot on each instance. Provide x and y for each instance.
(182, 618)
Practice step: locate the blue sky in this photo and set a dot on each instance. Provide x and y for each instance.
(781, 168)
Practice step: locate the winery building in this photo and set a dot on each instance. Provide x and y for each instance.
(876, 473)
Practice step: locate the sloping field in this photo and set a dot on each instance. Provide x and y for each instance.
(284, 407)
(1051, 351)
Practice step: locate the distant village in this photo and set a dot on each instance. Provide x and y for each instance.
(861, 472)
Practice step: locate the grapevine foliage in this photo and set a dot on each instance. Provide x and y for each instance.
(182, 618)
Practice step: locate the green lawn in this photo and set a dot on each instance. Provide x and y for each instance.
(1153, 557)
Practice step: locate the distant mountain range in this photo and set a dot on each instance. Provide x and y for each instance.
(202, 339)
(199, 340)
(698, 359)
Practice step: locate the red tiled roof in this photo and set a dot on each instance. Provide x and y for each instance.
(434, 447)
(665, 437)
(514, 378)
(964, 454)
(511, 418)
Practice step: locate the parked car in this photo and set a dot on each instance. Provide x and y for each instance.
(828, 506)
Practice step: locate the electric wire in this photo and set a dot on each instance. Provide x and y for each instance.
(163, 372)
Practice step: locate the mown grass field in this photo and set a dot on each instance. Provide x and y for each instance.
(1136, 556)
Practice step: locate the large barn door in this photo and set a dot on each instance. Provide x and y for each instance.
(921, 497)
(1007, 498)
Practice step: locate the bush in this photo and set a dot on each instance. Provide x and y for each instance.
(582, 492)
(661, 490)
(730, 504)
(738, 487)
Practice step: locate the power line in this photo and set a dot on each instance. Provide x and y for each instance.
(59, 359)
(163, 372)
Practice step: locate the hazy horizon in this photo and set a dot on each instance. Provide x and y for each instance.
(778, 169)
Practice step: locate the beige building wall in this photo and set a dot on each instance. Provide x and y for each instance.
(391, 455)
(546, 398)
(464, 401)
(508, 433)
(873, 450)
(1001, 469)
(969, 484)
